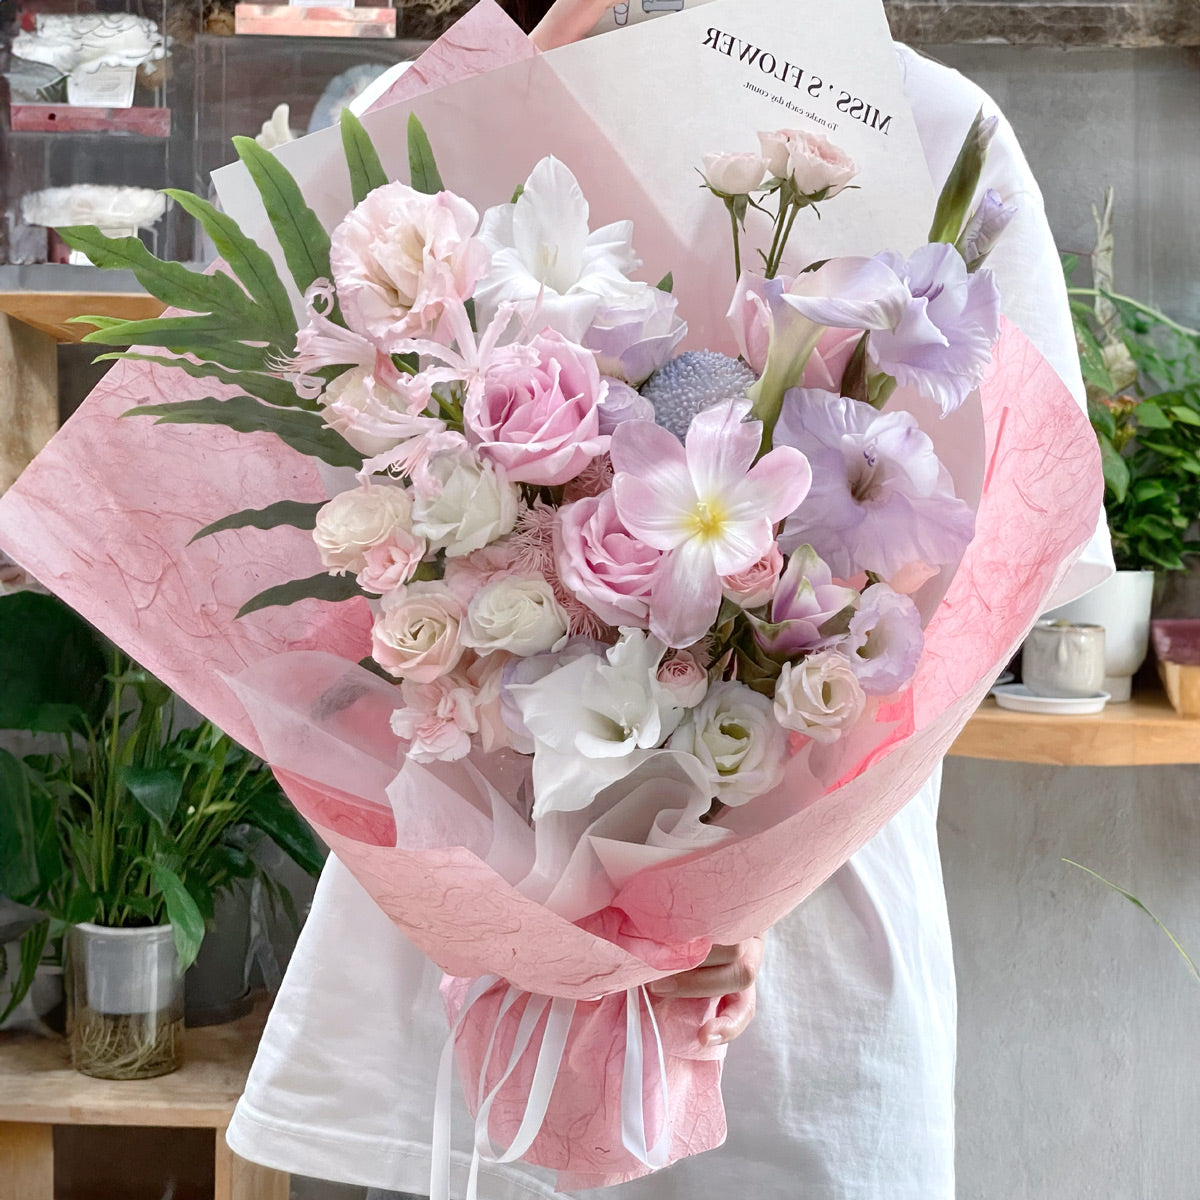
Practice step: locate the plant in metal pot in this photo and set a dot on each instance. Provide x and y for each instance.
(122, 824)
(1142, 372)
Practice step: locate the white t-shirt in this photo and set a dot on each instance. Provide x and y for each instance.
(843, 1086)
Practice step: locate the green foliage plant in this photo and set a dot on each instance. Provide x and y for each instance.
(124, 816)
(1142, 372)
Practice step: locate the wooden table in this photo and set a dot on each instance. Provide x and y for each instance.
(39, 1089)
(1144, 732)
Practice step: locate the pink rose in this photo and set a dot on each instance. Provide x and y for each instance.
(827, 363)
(733, 174)
(684, 678)
(815, 165)
(541, 424)
(392, 563)
(437, 719)
(416, 635)
(399, 256)
(754, 586)
(602, 563)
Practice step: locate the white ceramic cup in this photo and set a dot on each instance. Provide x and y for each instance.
(1064, 660)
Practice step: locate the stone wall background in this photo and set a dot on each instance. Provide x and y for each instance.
(1030, 22)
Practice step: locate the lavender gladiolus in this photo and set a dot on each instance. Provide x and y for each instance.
(806, 599)
(932, 324)
(885, 641)
(880, 498)
(983, 228)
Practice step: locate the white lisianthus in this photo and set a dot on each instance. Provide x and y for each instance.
(355, 521)
(819, 696)
(460, 504)
(734, 174)
(594, 720)
(734, 734)
(517, 613)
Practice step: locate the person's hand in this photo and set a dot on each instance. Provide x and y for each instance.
(568, 21)
(729, 973)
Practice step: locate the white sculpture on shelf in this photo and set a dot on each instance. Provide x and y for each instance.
(98, 53)
(277, 131)
(115, 211)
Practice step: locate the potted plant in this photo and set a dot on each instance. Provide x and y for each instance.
(122, 827)
(1142, 372)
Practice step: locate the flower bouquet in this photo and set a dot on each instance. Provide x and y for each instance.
(584, 643)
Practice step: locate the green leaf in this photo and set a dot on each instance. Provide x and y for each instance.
(302, 237)
(1182, 413)
(366, 171)
(33, 946)
(1151, 417)
(52, 666)
(157, 791)
(666, 283)
(1101, 417)
(332, 588)
(303, 431)
(271, 812)
(1115, 468)
(20, 877)
(247, 260)
(187, 922)
(1091, 357)
(171, 282)
(294, 513)
(269, 388)
(210, 338)
(422, 167)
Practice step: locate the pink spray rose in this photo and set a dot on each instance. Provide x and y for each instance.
(815, 165)
(684, 678)
(602, 563)
(754, 586)
(393, 563)
(399, 256)
(540, 423)
(437, 719)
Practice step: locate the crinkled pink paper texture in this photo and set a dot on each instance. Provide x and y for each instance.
(103, 517)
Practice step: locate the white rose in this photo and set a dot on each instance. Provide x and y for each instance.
(354, 521)
(734, 174)
(417, 635)
(517, 613)
(819, 696)
(734, 734)
(461, 504)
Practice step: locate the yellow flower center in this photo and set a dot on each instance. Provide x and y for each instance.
(707, 519)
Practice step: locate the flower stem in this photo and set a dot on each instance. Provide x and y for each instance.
(1161, 317)
(737, 243)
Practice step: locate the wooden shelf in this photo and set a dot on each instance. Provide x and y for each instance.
(1146, 731)
(39, 1089)
(50, 312)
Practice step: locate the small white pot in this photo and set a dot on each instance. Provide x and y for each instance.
(1122, 605)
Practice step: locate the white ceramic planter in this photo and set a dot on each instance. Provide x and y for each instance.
(1122, 605)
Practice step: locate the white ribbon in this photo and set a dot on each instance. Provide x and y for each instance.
(545, 1074)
